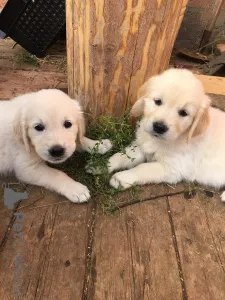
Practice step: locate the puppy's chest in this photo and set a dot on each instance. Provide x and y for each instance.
(178, 155)
(168, 154)
(7, 154)
(157, 154)
(6, 160)
(150, 148)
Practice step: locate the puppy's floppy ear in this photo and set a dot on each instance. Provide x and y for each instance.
(80, 122)
(144, 91)
(81, 127)
(201, 120)
(20, 129)
(138, 107)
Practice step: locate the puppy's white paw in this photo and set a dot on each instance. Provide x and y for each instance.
(77, 192)
(123, 180)
(118, 161)
(222, 196)
(105, 146)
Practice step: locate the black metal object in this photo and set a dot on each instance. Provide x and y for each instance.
(34, 24)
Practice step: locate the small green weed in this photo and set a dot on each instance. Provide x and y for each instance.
(27, 58)
(121, 134)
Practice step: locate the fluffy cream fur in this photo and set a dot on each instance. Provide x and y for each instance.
(192, 148)
(25, 150)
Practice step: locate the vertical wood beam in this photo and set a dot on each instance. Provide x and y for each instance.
(115, 45)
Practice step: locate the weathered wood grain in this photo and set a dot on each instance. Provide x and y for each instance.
(213, 84)
(114, 46)
(5, 217)
(133, 255)
(218, 101)
(55, 241)
(199, 228)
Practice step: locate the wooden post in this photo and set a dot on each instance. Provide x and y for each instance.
(113, 46)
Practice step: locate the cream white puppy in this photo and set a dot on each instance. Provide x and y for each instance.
(46, 126)
(180, 136)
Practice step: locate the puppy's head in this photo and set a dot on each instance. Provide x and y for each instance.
(51, 123)
(173, 104)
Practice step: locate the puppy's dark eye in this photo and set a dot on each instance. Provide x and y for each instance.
(39, 127)
(67, 124)
(183, 113)
(158, 102)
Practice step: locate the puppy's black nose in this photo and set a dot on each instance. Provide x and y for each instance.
(57, 151)
(159, 127)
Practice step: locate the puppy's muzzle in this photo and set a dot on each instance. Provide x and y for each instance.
(160, 128)
(57, 151)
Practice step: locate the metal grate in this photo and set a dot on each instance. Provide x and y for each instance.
(38, 24)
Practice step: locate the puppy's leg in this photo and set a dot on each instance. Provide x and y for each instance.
(42, 175)
(88, 145)
(133, 157)
(144, 173)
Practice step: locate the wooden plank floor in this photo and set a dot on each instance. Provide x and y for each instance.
(54, 252)
(199, 229)
(133, 255)
(169, 246)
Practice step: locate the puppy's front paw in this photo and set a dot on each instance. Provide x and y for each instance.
(104, 146)
(123, 180)
(77, 193)
(222, 196)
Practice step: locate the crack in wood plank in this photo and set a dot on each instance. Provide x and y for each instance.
(204, 277)
(147, 199)
(9, 227)
(90, 241)
(131, 256)
(213, 239)
(132, 69)
(183, 285)
(49, 243)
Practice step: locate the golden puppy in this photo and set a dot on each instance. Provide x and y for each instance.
(46, 126)
(180, 137)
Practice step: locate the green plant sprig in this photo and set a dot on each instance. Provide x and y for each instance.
(121, 134)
